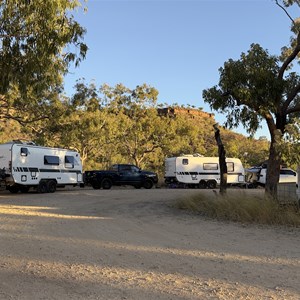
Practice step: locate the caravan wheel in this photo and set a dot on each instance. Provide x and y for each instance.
(42, 187)
(211, 184)
(51, 186)
(202, 184)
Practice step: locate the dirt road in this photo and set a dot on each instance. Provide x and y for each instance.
(131, 244)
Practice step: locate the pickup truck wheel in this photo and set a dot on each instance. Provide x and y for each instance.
(96, 185)
(148, 184)
(106, 184)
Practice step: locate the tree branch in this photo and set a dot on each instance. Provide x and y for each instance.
(151, 149)
(271, 124)
(290, 98)
(293, 109)
(290, 58)
(295, 52)
(22, 121)
(285, 11)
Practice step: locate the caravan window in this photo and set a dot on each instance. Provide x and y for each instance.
(185, 161)
(51, 160)
(210, 166)
(69, 161)
(24, 151)
(230, 166)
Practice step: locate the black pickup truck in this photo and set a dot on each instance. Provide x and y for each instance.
(120, 174)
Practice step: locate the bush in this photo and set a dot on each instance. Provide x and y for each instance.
(241, 206)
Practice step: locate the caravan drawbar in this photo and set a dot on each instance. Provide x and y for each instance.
(204, 172)
(26, 165)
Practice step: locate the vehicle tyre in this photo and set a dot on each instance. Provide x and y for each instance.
(148, 184)
(96, 185)
(202, 184)
(42, 187)
(211, 184)
(106, 184)
(13, 189)
(24, 189)
(51, 186)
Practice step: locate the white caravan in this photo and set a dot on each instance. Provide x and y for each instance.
(25, 165)
(203, 172)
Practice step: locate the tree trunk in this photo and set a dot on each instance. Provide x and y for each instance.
(273, 171)
(223, 170)
(222, 161)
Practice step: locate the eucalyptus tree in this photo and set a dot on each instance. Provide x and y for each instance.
(38, 41)
(261, 86)
(83, 125)
(141, 131)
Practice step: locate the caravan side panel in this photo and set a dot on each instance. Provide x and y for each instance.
(193, 170)
(235, 171)
(31, 164)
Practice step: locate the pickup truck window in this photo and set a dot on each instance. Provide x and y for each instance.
(114, 168)
(125, 168)
(135, 169)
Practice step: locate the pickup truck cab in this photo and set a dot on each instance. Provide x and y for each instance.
(120, 174)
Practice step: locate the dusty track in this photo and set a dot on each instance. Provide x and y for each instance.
(131, 244)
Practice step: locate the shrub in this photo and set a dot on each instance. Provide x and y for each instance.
(241, 206)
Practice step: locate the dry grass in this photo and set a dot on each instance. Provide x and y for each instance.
(241, 206)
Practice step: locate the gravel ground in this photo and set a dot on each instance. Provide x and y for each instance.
(132, 244)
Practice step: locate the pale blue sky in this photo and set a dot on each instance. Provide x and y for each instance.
(175, 46)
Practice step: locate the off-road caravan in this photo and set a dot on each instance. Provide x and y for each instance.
(202, 172)
(25, 165)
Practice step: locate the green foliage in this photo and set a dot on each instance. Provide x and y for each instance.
(35, 38)
(248, 89)
(120, 125)
(241, 206)
(261, 86)
(251, 151)
(289, 144)
(9, 130)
